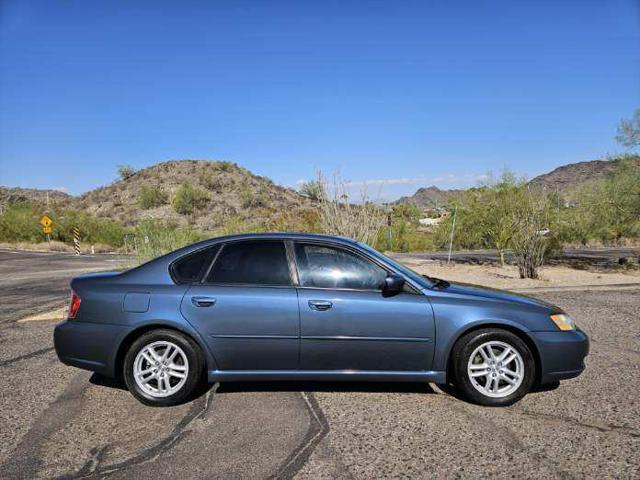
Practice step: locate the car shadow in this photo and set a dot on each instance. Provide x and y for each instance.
(313, 386)
(320, 386)
(102, 381)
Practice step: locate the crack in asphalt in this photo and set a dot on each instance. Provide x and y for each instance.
(514, 442)
(93, 468)
(318, 428)
(511, 439)
(605, 428)
(26, 356)
(26, 459)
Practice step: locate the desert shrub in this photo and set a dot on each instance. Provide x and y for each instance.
(503, 214)
(312, 190)
(125, 171)
(305, 220)
(605, 211)
(404, 235)
(151, 197)
(154, 238)
(225, 166)
(532, 216)
(340, 215)
(189, 198)
(254, 198)
(19, 222)
(93, 230)
(210, 181)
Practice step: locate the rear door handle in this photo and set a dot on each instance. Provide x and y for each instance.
(203, 301)
(320, 305)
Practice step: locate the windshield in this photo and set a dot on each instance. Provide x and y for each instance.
(412, 274)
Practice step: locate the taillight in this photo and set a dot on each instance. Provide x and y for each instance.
(75, 305)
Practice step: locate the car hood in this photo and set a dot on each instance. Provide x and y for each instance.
(496, 295)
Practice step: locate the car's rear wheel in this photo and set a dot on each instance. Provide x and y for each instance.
(493, 367)
(163, 368)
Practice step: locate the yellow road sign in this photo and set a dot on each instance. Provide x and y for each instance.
(45, 221)
(46, 229)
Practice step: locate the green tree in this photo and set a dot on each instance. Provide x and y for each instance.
(499, 216)
(629, 131)
(125, 171)
(530, 245)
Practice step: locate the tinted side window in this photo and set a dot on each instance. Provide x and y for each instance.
(329, 267)
(252, 262)
(190, 268)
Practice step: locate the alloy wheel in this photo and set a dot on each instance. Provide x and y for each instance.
(160, 369)
(496, 369)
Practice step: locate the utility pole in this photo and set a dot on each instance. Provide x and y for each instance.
(47, 212)
(453, 229)
(557, 208)
(389, 239)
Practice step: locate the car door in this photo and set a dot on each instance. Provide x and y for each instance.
(246, 307)
(345, 321)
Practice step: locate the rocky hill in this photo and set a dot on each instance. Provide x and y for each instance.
(220, 194)
(568, 177)
(41, 197)
(224, 192)
(429, 197)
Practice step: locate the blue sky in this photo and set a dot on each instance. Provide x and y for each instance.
(412, 93)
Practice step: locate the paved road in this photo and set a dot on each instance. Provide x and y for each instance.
(61, 422)
(34, 281)
(594, 257)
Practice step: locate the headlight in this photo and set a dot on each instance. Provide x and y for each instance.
(563, 321)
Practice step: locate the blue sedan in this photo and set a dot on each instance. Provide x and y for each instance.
(300, 306)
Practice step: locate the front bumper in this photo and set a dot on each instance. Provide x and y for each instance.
(562, 354)
(90, 346)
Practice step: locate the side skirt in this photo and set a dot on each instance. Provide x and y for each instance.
(326, 375)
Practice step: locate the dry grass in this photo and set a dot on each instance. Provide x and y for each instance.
(55, 246)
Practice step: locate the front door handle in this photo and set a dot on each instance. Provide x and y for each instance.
(320, 305)
(203, 301)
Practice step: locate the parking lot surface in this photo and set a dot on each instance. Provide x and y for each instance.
(58, 421)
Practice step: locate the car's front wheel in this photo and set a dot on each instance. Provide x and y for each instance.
(493, 367)
(162, 368)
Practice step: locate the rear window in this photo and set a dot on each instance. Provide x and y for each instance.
(251, 263)
(190, 268)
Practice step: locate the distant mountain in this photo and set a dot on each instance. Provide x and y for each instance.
(564, 179)
(35, 195)
(429, 197)
(568, 177)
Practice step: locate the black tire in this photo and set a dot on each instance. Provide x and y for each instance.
(462, 352)
(193, 377)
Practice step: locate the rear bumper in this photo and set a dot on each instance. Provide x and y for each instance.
(90, 346)
(562, 354)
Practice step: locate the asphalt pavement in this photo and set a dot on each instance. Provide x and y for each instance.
(60, 422)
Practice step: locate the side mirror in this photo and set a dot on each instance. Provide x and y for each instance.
(392, 285)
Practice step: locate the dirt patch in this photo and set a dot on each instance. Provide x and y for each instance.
(507, 277)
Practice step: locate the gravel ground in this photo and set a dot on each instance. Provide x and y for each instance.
(508, 278)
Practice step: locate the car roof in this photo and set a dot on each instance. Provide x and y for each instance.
(276, 236)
